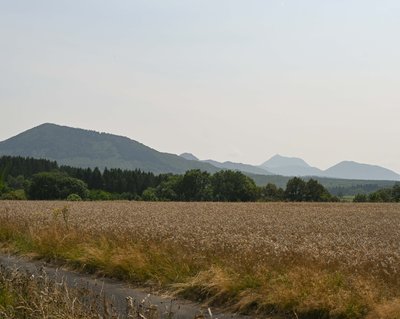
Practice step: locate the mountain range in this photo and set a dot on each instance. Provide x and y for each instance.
(293, 166)
(84, 148)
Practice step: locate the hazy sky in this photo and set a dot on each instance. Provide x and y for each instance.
(223, 79)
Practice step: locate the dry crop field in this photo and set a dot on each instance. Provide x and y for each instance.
(283, 260)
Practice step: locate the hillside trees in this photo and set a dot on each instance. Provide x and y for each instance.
(115, 180)
(25, 166)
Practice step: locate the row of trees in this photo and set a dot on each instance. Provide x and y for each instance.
(232, 186)
(116, 181)
(196, 185)
(352, 190)
(54, 182)
(381, 196)
(10, 166)
(31, 180)
(24, 166)
(17, 173)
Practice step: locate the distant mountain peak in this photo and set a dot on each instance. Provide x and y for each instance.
(284, 161)
(239, 167)
(355, 170)
(189, 156)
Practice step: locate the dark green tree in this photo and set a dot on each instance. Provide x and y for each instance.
(381, 196)
(95, 180)
(2, 186)
(16, 182)
(169, 189)
(315, 192)
(150, 195)
(195, 185)
(55, 185)
(360, 198)
(396, 192)
(233, 186)
(295, 190)
(4, 169)
(271, 193)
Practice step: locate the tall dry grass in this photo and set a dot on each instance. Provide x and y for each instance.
(289, 260)
(24, 295)
(35, 295)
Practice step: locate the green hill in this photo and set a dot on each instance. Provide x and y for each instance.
(83, 148)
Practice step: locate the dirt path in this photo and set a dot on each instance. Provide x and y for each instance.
(116, 292)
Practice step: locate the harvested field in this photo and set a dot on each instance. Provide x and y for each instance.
(283, 259)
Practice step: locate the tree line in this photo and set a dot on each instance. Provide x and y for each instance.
(380, 196)
(28, 178)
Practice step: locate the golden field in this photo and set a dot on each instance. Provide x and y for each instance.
(283, 260)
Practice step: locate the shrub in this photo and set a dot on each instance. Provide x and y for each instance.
(74, 198)
(360, 198)
(96, 194)
(18, 194)
(149, 195)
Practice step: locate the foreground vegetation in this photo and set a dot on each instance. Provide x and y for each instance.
(285, 259)
(38, 296)
(23, 295)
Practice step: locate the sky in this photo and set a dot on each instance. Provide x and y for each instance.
(222, 79)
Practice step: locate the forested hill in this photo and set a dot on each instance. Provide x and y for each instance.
(83, 148)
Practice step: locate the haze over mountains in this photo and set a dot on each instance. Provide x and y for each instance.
(293, 166)
(290, 166)
(84, 148)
